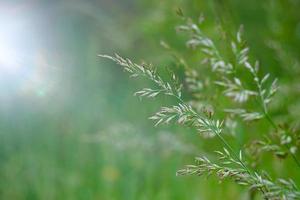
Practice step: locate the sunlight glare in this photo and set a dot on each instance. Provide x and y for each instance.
(9, 48)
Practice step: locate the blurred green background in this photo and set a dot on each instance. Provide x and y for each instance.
(70, 127)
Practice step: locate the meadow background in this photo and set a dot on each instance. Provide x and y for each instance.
(70, 127)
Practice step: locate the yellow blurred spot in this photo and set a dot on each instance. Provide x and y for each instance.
(110, 173)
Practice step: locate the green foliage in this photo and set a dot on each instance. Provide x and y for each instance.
(79, 134)
(228, 76)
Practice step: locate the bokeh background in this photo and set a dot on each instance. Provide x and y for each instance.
(70, 127)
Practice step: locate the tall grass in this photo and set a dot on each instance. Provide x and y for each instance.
(250, 93)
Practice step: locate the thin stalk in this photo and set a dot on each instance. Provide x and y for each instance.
(286, 146)
(238, 158)
(270, 120)
(227, 145)
(233, 152)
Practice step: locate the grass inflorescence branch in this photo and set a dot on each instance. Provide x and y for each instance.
(186, 115)
(230, 164)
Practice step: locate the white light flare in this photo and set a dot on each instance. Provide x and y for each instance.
(30, 67)
(10, 58)
(20, 70)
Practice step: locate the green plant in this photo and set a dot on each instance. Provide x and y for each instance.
(246, 97)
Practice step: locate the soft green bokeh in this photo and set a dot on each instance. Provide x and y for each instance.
(70, 127)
